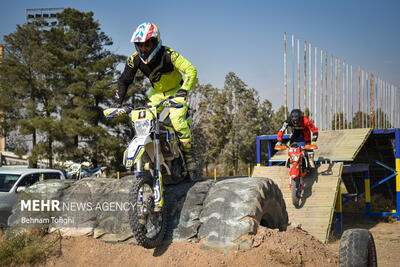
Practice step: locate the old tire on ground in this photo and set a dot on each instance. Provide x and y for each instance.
(140, 230)
(357, 248)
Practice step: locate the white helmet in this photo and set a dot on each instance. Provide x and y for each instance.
(147, 33)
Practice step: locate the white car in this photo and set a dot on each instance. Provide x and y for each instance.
(13, 181)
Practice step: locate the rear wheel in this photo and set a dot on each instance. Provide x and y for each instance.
(148, 227)
(357, 248)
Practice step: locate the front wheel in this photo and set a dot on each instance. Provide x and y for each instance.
(148, 227)
(296, 191)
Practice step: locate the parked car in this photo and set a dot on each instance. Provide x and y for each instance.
(13, 181)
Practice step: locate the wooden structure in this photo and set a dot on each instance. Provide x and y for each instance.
(339, 145)
(320, 192)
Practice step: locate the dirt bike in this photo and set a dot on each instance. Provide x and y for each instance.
(156, 158)
(299, 167)
(77, 172)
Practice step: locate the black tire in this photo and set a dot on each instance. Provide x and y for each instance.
(357, 249)
(140, 230)
(295, 196)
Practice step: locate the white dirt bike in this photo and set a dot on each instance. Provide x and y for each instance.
(155, 159)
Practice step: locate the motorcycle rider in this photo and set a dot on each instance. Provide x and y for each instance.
(303, 130)
(163, 67)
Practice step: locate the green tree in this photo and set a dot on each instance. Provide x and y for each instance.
(243, 124)
(23, 78)
(62, 79)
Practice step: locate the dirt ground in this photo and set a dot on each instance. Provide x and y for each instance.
(271, 248)
(294, 247)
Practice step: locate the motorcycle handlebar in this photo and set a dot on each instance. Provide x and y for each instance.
(125, 110)
(285, 146)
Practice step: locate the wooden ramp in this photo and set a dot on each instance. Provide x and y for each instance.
(339, 145)
(320, 192)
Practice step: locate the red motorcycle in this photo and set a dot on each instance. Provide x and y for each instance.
(299, 168)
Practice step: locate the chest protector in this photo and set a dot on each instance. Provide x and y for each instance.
(160, 65)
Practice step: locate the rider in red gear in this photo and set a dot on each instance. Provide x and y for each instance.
(303, 131)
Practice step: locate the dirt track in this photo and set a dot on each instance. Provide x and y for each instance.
(271, 248)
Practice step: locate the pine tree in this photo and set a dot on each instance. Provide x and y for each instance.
(62, 79)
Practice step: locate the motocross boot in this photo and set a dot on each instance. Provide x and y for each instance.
(311, 159)
(187, 150)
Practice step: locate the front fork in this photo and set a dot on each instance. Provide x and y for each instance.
(158, 184)
(299, 185)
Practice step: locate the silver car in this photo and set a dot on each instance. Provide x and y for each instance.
(13, 181)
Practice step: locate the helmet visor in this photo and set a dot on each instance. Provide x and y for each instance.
(145, 48)
(295, 120)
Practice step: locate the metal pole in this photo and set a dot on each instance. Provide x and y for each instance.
(321, 85)
(305, 75)
(258, 151)
(386, 106)
(315, 84)
(347, 96)
(332, 93)
(378, 91)
(362, 98)
(298, 73)
(285, 74)
(326, 92)
(322, 91)
(359, 92)
(309, 78)
(372, 101)
(343, 95)
(293, 75)
(336, 93)
(340, 95)
(352, 94)
(384, 114)
(380, 104)
(391, 106)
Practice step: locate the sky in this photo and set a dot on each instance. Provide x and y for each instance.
(245, 36)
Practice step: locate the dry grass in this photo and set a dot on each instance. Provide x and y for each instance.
(26, 247)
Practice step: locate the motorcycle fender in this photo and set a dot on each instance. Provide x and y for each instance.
(135, 150)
